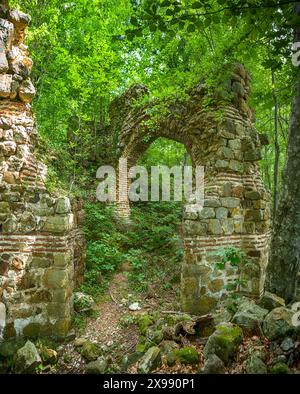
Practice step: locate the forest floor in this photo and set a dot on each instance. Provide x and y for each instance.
(113, 328)
(112, 324)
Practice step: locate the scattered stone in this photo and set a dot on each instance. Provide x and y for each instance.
(79, 342)
(279, 359)
(254, 365)
(27, 359)
(287, 344)
(250, 316)
(134, 307)
(150, 361)
(144, 322)
(49, 356)
(83, 302)
(271, 301)
(213, 365)
(154, 336)
(9, 347)
(278, 323)
(130, 359)
(224, 342)
(90, 351)
(187, 355)
(96, 367)
(280, 369)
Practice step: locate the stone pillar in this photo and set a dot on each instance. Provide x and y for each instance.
(41, 245)
(236, 210)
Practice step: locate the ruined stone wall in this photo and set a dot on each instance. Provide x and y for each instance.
(222, 138)
(41, 245)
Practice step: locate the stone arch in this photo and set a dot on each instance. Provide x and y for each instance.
(222, 138)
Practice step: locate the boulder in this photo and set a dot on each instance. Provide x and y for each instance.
(213, 365)
(278, 324)
(287, 344)
(224, 342)
(130, 359)
(144, 322)
(255, 365)
(90, 351)
(154, 336)
(49, 356)
(271, 301)
(96, 367)
(27, 359)
(79, 342)
(83, 302)
(249, 316)
(187, 355)
(150, 361)
(280, 369)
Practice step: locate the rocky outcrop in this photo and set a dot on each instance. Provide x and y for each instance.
(41, 245)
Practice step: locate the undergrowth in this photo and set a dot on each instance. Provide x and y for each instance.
(150, 246)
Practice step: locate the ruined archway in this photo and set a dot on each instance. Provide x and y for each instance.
(221, 137)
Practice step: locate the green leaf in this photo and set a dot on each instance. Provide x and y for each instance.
(191, 28)
(134, 21)
(197, 5)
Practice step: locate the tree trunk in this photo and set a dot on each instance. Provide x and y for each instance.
(284, 265)
(277, 148)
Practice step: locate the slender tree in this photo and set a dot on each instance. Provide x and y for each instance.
(284, 265)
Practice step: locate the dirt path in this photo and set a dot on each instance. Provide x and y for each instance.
(105, 329)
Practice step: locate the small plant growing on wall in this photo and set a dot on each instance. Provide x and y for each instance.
(230, 261)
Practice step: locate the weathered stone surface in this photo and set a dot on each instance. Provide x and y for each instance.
(254, 365)
(96, 367)
(27, 359)
(280, 369)
(83, 302)
(6, 33)
(90, 351)
(63, 205)
(27, 91)
(58, 224)
(214, 227)
(3, 62)
(150, 361)
(224, 342)
(230, 202)
(5, 85)
(271, 301)
(213, 365)
(250, 316)
(278, 323)
(187, 355)
(49, 356)
(221, 213)
(207, 213)
(287, 344)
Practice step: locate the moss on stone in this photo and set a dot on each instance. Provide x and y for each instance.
(187, 355)
(280, 369)
(145, 321)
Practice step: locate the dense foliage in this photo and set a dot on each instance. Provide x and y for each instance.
(87, 52)
(149, 248)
